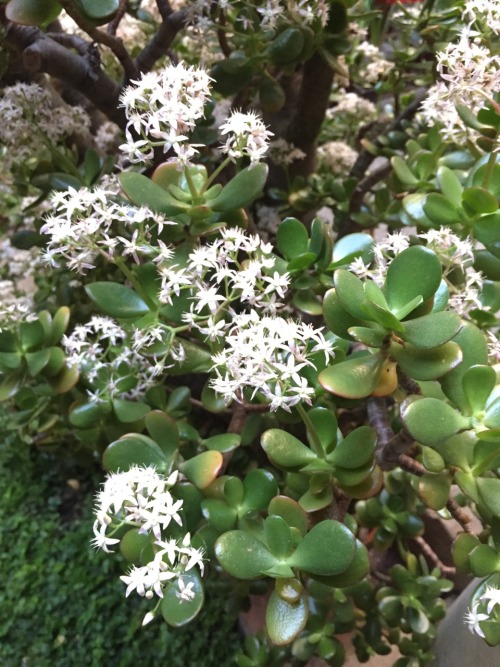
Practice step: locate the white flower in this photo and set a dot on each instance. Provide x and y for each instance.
(147, 579)
(185, 593)
(473, 618)
(492, 595)
(248, 136)
(163, 107)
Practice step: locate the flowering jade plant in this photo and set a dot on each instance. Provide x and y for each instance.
(283, 394)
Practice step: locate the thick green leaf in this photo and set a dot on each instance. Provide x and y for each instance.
(479, 200)
(202, 469)
(31, 335)
(142, 191)
(474, 348)
(382, 316)
(403, 171)
(65, 380)
(414, 272)
(489, 491)
(440, 209)
(337, 319)
(292, 238)
(356, 377)
(241, 190)
(259, 488)
(484, 560)
(197, 360)
(129, 411)
(278, 536)
(219, 514)
(413, 205)
(432, 330)
(327, 549)
(37, 361)
(461, 551)
(313, 501)
(373, 337)
(32, 12)
(450, 185)
(357, 569)
(351, 246)
(177, 611)
(59, 324)
(350, 293)
(487, 231)
(132, 545)
(117, 300)
(325, 425)
(284, 450)
(85, 415)
(435, 490)
(289, 510)
(242, 555)
(164, 431)
(421, 364)
(285, 620)
(430, 420)
(133, 449)
(478, 382)
(307, 302)
(99, 10)
(356, 449)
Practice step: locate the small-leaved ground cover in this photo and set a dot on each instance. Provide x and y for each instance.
(61, 603)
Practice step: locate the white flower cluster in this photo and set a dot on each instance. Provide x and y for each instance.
(141, 498)
(337, 156)
(266, 355)
(14, 305)
(452, 251)
(486, 608)
(113, 368)
(352, 108)
(376, 66)
(216, 275)
(86, 223)
(248, 136)
(283, 152)
(469, 75)
(236, 296)
(485, 12)
(31, 121)
(162, 108)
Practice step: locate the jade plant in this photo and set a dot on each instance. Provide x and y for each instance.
(280, 396)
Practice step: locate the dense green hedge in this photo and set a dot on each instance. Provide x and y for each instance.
(61, 603)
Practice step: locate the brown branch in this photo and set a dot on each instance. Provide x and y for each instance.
(410, 465)
(160, 43)
(238, 419)
(429, 553)
(221, 36)
(366, 185)
(114, 43)
(309, 112)
(459, 515)
(115, 22)
(40, 53)
(390, 447)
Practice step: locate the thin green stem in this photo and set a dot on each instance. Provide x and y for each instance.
(315, 441)
(192, 187)
(214, 175)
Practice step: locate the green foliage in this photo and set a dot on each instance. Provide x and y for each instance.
(63, 603)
